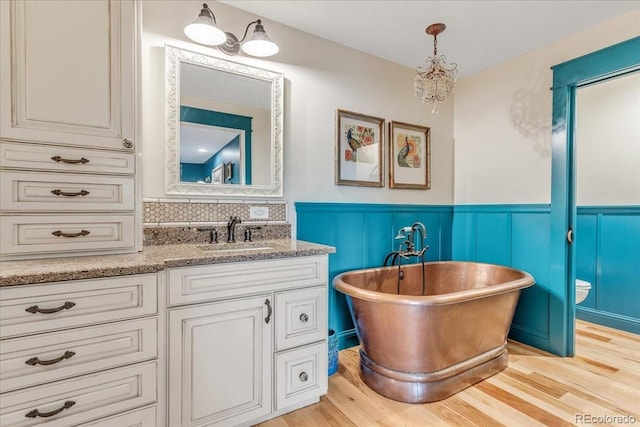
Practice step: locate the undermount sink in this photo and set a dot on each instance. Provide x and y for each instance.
(240, 247)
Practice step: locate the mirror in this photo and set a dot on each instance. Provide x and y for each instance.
(224, 127)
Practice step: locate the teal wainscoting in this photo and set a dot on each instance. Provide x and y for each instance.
(607, 243)
(517, 236)
(608, 256)
(363, 235)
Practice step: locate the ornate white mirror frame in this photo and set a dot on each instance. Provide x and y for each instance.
(173, 57)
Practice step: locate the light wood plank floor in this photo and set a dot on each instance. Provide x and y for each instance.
(537, 389)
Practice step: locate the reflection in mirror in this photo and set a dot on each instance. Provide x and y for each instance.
(204, 149)
(224, 127)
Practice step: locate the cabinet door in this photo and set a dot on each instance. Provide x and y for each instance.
(68, 72)
(220, 362)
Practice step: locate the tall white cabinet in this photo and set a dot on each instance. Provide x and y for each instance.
(68, 128)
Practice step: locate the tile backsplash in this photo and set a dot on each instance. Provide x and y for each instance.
(159, 235)
(165, 212)
(169, 221)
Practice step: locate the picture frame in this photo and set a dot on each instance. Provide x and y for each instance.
(228, 171)
(217, 174)
(409, 156)
(359, 149)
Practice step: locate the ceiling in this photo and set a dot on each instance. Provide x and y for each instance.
(199, 142)
(479, 34)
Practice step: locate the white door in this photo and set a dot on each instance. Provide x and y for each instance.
(220, 366)
(70, 79)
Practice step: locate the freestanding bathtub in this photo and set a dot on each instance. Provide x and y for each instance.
(422, 348)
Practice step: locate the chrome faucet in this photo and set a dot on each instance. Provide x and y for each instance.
(231, 228)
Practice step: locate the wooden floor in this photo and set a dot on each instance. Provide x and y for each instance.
(537, 389)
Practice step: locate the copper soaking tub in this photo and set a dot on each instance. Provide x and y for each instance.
(422, 348)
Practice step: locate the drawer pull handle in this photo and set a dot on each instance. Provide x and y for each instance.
(303, 376)
(35, 361)
(59, 192)
(304, 318)
(35, 413)
(35, 309)
(59, 159)
(59, 233)
(269, 310)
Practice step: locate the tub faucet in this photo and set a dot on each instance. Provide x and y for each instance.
(231, 228)
(409, 234)
(409, 243)
(421, 229)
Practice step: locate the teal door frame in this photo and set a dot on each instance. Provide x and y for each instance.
(607, 63)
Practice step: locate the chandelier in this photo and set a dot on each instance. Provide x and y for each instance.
(435, 79)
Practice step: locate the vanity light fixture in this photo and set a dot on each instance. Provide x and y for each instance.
(435, 79)
(204, 30)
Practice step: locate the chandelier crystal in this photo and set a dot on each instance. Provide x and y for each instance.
(435, 79)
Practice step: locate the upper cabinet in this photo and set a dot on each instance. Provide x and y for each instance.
(67, 72)
(68, 163)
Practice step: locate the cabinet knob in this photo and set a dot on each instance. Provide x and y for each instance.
(127, 142)
(303, 376)
(304, 318)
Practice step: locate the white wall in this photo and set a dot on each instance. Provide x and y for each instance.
(608, 142)
(320, 77)
(502, 123)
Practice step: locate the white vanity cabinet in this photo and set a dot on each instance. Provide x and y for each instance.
(81, 351)
(247, 340)
(68, 128)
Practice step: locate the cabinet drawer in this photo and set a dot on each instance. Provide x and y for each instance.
(80, 399)
(146, 417)
(76, 303)
(31, 234)
(300, 317)
(64, 159)
(38, 359)
(21, 191)
(301, 374)
(194, 284)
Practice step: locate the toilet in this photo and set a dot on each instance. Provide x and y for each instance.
(582, 290)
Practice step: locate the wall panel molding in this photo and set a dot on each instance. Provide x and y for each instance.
(363, 234)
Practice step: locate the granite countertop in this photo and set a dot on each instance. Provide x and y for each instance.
(151, 259)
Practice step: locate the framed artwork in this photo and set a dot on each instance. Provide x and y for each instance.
(359, 152)
(409, 156)
(228, 171)
(216, 174)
